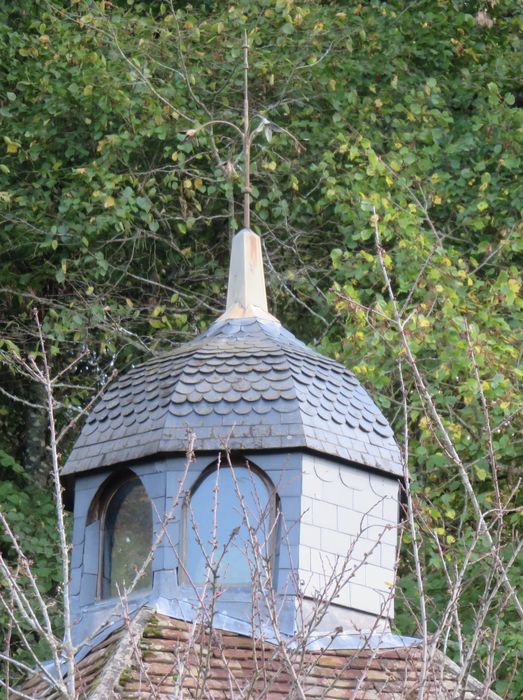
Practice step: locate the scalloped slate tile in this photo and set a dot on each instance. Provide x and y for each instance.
(247, 381)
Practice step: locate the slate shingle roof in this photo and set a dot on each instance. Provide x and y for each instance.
(245, 381)
(168, 659)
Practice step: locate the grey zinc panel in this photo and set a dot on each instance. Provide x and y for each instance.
(247, 382)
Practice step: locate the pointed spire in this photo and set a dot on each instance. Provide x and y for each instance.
(246, 295)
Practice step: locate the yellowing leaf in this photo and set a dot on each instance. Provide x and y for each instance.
(481, 473)
(109, 202)
(11, 146)
(514, 285)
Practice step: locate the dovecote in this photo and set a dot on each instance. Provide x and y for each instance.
(301, 438)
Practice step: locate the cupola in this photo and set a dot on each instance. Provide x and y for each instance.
(293, 489)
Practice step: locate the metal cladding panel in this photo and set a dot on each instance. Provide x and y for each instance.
(243, 384)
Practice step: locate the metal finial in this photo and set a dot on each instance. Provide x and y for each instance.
(246, 296)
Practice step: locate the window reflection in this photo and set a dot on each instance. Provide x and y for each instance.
(127, 538)
(227, 525)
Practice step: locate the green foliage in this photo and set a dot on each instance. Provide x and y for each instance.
(115, 222)
(31, 514)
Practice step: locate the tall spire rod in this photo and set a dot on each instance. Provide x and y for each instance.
(246, 295)
(246, 136)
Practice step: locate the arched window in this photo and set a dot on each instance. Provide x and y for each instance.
(229, 526)
(124, 511)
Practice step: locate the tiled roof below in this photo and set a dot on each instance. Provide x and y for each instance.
(172, 659)
(88, 671)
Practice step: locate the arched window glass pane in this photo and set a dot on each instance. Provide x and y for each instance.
(228, 526)
(127, 539)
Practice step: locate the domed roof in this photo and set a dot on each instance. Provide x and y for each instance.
(245, 384)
